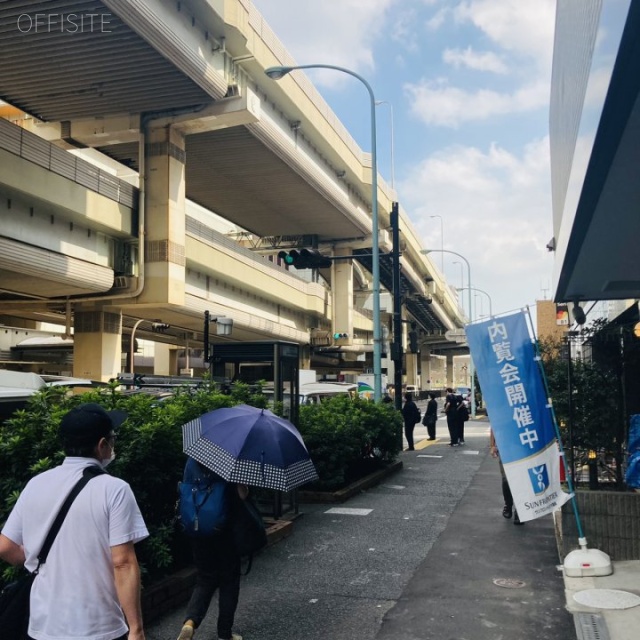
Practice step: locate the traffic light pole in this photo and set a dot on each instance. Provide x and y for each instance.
(396, 349)
(207, 320)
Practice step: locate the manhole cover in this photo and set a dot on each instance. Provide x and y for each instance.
(509, 583)
(607, 599)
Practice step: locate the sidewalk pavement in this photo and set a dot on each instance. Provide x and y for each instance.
(425, 554)
(602, 620)
(484, 578)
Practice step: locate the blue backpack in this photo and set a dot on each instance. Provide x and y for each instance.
(202, 501)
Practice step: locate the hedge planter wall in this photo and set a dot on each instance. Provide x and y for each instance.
(346, 440)
(610, 521)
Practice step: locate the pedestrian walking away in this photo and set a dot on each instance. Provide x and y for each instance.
(451, 403)
(89, 587)
(215, 558)
(462, 416)
(411, 417)
(431, 416)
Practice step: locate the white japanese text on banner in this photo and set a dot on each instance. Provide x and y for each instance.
(513, 392)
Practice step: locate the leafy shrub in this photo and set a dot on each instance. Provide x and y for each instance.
(348, 438)
(345, 438)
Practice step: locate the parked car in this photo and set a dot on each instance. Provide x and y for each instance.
(316, 392)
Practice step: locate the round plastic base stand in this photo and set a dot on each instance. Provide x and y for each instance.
(584, 562)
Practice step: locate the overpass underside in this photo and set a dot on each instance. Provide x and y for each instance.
(152, 92)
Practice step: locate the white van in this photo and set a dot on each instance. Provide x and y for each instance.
(316, 392)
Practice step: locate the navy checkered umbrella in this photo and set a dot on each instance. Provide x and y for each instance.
(250, 446)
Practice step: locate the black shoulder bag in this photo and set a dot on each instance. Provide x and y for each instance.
(14, 598)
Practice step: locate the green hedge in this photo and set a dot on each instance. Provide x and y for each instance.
(345, 438)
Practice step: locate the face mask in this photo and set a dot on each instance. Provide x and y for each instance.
(105, 462)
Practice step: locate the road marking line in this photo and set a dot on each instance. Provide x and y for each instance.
(348, 511)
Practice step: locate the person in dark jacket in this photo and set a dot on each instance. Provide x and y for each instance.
(411, 416)
(451, 409)
(217, 565)
(431, 416)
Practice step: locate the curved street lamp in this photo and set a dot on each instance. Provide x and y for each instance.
(481, 291)
(276, 73)
(393, 181)
(471, 368)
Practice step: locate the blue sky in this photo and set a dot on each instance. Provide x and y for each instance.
(469, 82)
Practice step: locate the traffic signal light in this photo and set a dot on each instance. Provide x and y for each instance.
(159, 327)
(305, 259)
(341, 338)
(413, 341)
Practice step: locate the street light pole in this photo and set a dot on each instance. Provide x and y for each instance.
(471, 367)
(275, 73)
(441, 241)
(486, 294)
(393, 180)
(132, 347)
(461, 276)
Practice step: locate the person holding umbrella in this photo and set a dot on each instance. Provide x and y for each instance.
(241, 446)
(216, 561)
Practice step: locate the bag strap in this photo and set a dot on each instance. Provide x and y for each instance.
(88, 474)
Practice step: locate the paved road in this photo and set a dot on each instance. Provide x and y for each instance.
(388, 563)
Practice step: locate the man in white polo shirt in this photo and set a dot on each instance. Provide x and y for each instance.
(89, 587)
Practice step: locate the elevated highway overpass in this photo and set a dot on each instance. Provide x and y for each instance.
(127, 131)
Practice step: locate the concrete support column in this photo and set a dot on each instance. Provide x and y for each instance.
(162, 359)
(425, 368)
(342, 296)
(449, 370)
(164, 183)
(411, 363)
(97, 344)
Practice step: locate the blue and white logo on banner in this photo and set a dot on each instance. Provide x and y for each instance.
(514, 393)
(539, 477)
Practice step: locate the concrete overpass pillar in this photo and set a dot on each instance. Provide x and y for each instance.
(450, 370)
(97, 344)
(162, 359)
(164, 184)
(342, 295)
(411, 362)
(425, 368)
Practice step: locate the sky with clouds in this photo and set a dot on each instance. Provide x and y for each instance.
(469, 83)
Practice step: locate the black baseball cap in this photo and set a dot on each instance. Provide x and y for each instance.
(87, 423)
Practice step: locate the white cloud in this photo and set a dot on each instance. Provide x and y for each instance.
(403, 31)
(438, 19)
(482, 61)
(438, 103)
(343, 36)
(525, 28)
(496, 212)
(521, 34)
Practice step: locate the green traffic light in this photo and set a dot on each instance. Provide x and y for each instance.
(288, 259)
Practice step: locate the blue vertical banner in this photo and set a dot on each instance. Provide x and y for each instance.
(513, 391)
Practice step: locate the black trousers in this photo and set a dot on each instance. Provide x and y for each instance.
(408, 433)
(218, 568)
(506, 491)
(452, 425)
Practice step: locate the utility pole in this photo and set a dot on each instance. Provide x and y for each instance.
(396, 348)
